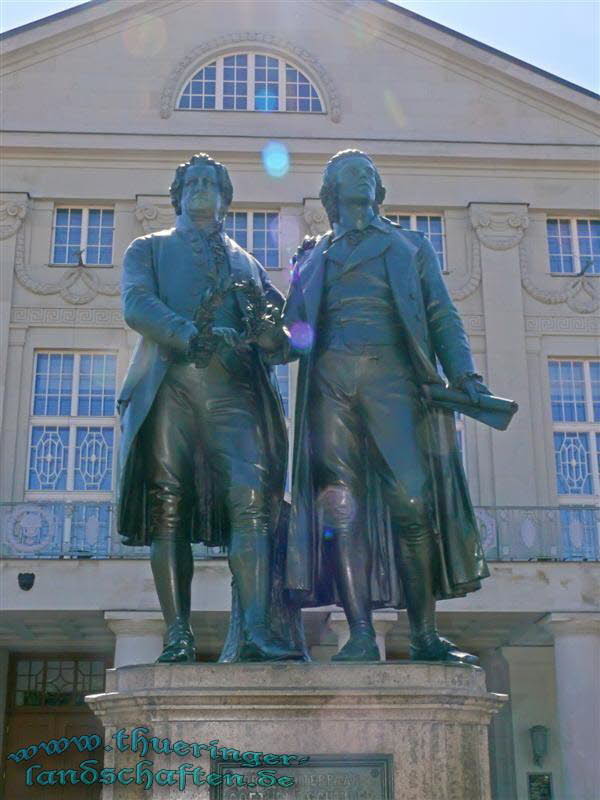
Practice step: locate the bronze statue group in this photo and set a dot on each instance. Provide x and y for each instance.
(380, 513)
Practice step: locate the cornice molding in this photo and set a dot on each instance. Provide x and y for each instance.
(266, 41)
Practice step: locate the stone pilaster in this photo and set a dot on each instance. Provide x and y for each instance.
(500, 228)
(502, 750)
(577, 666)
(13, 210)
(138, 636)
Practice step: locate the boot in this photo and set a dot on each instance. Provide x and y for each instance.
(436, 648)
(360, 647)
(418, 562)
(173, 566)
(250, 563)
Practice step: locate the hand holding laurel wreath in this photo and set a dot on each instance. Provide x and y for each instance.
(260, 321)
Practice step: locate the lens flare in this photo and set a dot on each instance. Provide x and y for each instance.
(276, 159)
(302, 335)
(394, 108)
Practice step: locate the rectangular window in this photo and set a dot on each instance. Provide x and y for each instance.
(431, 225)
(573, 245)
(56, 682)
(83, 235)
(575, 405)
(72, 432)
(257, 232)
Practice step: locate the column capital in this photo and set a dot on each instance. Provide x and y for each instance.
(499, 226)
(567, 623)
(135, 623)
(315, 216)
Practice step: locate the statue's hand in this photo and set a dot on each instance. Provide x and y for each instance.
(472, 384)
(272, 338)
(200, 349)
(230, 337)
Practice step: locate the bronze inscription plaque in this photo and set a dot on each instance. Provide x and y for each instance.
(330, 777)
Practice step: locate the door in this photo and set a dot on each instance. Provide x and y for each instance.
(46, 702)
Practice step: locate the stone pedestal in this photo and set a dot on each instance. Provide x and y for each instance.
(423, 725)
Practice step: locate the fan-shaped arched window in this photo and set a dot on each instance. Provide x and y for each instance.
(250, 82)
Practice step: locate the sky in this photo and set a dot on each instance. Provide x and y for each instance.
(560, 36)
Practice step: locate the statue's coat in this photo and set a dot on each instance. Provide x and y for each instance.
(430, 327)
(158, 275)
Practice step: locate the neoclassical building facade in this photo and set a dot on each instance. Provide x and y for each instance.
(494, 159)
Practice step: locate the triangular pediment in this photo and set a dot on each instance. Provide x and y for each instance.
(386, 73)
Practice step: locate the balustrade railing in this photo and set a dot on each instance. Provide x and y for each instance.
(87, 530)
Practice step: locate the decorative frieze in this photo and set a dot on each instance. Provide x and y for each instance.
(473, 280)
(76, 285)
(580, 292)
(570, 325)
(71, 317)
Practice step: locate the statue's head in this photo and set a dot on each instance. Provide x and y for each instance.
(350, 176)
(201, 186)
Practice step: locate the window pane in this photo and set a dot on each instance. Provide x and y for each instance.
(235, 87)
(266, 238)
(100, 230)
(89, 678)
(558, 233)
(67, 230)
(595, 381)
(573, 464)
(53, 383)
(48, 458)
(97, 385)
(432, 228)
(200, 91)
(60, 682)
(567, 391)
(29, 685)
(93, 459)
(266, 83)
(588, 235)
(236, 227)
(298, 86)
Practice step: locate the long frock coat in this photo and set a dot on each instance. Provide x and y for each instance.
(431, 327)
(159, 302)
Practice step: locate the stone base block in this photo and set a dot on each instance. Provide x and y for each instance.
(390, 731)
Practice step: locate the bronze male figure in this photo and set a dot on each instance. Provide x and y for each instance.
(203, 448)
(381, 514)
